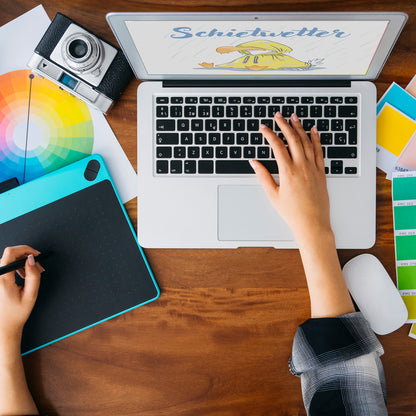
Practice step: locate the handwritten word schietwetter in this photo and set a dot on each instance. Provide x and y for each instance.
(185, 32)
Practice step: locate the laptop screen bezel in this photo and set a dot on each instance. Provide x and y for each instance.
(117, 22)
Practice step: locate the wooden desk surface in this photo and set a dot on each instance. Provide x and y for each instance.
(217, 342)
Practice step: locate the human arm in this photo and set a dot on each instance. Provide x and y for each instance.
(16, 304)
(336, 353)
(302, 200)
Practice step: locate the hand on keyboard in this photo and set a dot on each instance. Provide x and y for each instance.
(301, 197)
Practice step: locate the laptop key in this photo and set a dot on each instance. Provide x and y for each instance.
(260, 111)
(302, 110)
(263, 100)
(326, 138)
(197, 125)
(330, 111)
(340, 138)
(190, 111)
(162, 166)
(336, 100)
(163, 152)
(210, 125)
(214, 138)
(308, 124)
(189, 166)
(321, 100)
(205, 166)
(342, 152)
(218, 111)
(179, 152)
(225, 125)
(272, 110)
(205, 100)
(351, 127)
(292, 100)
(183, 125)
(242, 138)
(176, 111)
(336, 166)
(234, 100)
(176, 100)
(162, 111)
(267, 122)
(316, 111)
(233, 166)
(167, 138)
(263, 152)
(228, 138)
(235, 152)
(239, 124)
(249, 152)
(323, 125)
(231, 111)
(249, 100)
(162, 100)
(256, 138)
(200, 138)
(221, 152)
(337, 124)
(207, 152)
(246, 111)
(186, 138)
(287, 110)
(220, 100)
(347, 111)
(351, 100)
(306, 100)
(204, 111)
(165, 125)
(193, 152)
(253, 125)
(191, 100)
(175, 166)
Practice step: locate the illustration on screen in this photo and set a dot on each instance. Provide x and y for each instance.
(260, 55)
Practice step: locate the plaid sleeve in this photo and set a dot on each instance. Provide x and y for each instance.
(338, 361)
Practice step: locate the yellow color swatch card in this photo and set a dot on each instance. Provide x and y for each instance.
(394, 131)
(412, 332)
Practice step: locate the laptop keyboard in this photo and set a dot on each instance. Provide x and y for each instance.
(218, 135)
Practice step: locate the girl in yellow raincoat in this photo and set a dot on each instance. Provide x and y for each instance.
(273, 57)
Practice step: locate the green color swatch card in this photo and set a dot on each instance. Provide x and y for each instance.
(404, 214)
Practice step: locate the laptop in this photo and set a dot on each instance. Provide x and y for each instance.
(211, 78)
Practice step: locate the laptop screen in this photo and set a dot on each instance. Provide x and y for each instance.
(333, 48)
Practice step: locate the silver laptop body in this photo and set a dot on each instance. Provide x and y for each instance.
(190, 198)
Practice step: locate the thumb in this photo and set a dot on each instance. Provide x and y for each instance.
(266, 180)
(32, 281)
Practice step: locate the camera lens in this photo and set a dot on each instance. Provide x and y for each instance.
(82, 52)
(78, 48)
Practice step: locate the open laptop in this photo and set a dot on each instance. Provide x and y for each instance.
(213, 77)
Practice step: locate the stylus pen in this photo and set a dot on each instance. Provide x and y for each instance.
(21, 263)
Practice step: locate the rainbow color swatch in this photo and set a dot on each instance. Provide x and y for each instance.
(42, 128)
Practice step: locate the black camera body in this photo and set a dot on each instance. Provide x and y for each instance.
(82, 63)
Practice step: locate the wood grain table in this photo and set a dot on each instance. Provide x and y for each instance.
(218, 340)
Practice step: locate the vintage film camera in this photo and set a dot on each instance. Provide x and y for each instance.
(81, 63)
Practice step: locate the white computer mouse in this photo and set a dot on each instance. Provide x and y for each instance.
(375, 294)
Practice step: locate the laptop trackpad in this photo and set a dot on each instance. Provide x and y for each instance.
(245, 214)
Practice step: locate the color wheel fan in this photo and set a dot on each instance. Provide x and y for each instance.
(42, 128)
